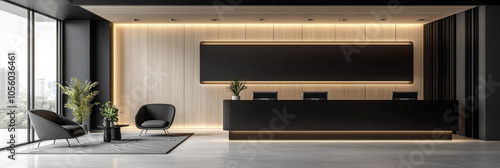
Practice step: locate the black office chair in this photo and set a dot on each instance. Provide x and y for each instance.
(155, 117)
(50, 126)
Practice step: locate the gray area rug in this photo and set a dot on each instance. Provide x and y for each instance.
(131, 143)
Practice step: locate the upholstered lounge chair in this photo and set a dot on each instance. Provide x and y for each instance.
(155, 117)
(51, 126)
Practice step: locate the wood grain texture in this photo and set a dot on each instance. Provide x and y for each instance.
(350, 32)
(319, 32)
(379, 91)
(200, 101)
(165, 68)
(259, 32)
(287, 32)
(380, 32)
(226, 33)
(413, 33)
(160, 64)
(285, 91)
(132, 52)
(231, 32)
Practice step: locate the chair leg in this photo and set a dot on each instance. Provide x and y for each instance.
(68, 143)
(54, 142)
(39, 143)
(77, 140)
(146, 132)
(165, 132)
(141, 132)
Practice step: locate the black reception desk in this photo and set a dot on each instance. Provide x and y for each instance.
(340, 119)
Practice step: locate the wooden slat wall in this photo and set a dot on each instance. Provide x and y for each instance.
(160, 64)
(165, 68)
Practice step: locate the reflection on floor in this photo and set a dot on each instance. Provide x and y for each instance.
(21, 136)
(210, 148)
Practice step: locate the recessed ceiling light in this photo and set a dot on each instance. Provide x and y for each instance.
(135, 20)
(343, 19)
(309, 19)
(172, 19)
(382, 19)
(260, 20)
(421, 20)
(214, 20)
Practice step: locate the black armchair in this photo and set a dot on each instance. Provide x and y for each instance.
(155, 117)
(48, 125)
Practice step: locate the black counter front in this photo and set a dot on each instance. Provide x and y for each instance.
(340, 115)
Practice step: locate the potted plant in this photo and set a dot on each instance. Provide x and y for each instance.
(110, 114)
(236, 87)
(80, 96)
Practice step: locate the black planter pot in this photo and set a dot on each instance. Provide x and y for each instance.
(107, 134)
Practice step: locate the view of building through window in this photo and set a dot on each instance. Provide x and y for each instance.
(14, 39)
(45, 63)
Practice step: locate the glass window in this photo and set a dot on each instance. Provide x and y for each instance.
(45, 63)
(13, 39)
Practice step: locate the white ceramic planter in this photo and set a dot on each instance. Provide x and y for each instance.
(236, 97)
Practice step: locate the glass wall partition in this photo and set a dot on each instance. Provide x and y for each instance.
(29, 44)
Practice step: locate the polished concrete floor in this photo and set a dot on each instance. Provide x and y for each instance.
(210, 148)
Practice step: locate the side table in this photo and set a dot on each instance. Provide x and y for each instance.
(116, 133)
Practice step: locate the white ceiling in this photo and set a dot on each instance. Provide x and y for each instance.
(275, 14)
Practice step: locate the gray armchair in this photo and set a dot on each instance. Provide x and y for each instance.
(50, 126)
(155, 117)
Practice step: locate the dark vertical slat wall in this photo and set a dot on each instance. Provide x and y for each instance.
(439, 59)
(471, 73)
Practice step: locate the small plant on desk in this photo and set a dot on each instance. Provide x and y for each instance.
(236, 87)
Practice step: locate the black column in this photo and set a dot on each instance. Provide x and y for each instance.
(100, 67)
(471, 73)
(87, 55)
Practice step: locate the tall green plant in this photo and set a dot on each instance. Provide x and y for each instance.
(236, 86)
(80, 98)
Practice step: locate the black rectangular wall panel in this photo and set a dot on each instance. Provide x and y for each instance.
(308, 62)
(383, 63)
(246, 62)
(315, 63)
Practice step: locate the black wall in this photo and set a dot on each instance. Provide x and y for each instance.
(76, 53)
(87, 53)
(100, 66)
(491, 77)
(439, 59)
(480, 79)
